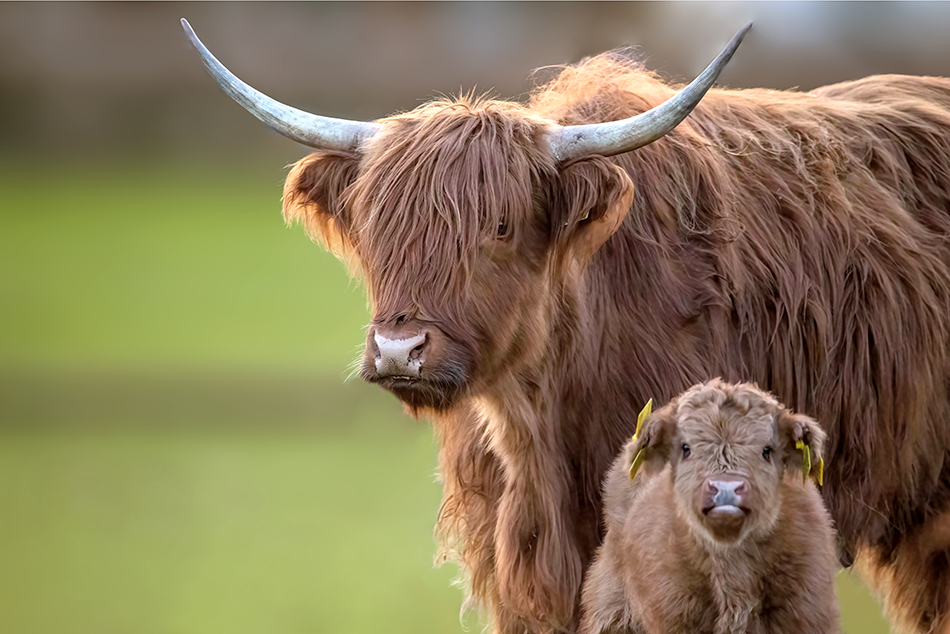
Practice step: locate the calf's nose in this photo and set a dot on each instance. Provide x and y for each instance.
(724, 514)
(726, 492)
(399, 356)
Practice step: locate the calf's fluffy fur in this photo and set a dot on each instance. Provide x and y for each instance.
(678, 559)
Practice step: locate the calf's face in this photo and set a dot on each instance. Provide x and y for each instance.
(729, 448)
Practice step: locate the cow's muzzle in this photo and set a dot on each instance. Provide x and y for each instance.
(399, 356)
(415, 361)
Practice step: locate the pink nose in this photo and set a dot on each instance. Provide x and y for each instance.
(725, 492)
(399, 355)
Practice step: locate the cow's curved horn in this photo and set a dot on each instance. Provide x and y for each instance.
(616, 137)
(325, 133)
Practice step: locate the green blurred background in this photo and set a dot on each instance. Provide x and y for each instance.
(180, 449)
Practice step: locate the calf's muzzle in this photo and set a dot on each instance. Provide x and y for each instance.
(723, 493)
(724, 509)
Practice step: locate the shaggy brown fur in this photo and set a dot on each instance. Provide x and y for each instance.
(670, 565)
(795, 240)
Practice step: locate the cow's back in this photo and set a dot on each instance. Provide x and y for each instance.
(890, 90)
(906, 140)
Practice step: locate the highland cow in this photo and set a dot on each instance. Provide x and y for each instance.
(713, 524)
(535, 271)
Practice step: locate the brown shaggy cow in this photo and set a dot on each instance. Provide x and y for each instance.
(718, 532)
(533, 279)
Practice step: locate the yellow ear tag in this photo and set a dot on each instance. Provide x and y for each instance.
(806, 460)
(642, 416)
(821, 472)
(638, 459)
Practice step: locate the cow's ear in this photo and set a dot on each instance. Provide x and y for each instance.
(802, 441)
(313, 196)
(649, 449)
(591, 199)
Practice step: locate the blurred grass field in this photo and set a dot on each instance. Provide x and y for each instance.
(179, 451)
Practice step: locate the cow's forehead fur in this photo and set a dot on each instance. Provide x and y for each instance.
(433, 186)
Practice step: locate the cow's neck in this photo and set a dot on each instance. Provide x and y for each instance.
(635, 326)
(538, 565)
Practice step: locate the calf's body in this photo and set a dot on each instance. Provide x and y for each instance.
(663, 570)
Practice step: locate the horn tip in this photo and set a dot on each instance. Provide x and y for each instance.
(742, 32)
(190, 32)
(192, 36)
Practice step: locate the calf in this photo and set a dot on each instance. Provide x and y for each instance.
(713, 524)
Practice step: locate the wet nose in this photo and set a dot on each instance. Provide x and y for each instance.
(399, 356)
(726, 492)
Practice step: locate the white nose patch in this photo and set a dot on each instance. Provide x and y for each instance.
(394, 355)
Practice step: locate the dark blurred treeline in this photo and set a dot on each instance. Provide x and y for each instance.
(101, 78)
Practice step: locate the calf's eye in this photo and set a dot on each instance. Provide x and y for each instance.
(685, 450)
(767, 453)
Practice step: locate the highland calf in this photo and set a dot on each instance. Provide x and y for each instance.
(710, 527)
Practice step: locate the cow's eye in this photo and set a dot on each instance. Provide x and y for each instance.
(685, 450)
(767, 453)
(502, 228)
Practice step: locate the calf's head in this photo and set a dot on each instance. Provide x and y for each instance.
(462, 216)
(729, 447)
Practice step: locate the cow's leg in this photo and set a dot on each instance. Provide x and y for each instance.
(913, 581)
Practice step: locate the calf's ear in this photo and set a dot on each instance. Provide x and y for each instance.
(313, 196)
(592, 197)
(802, 441)
(649, 449)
